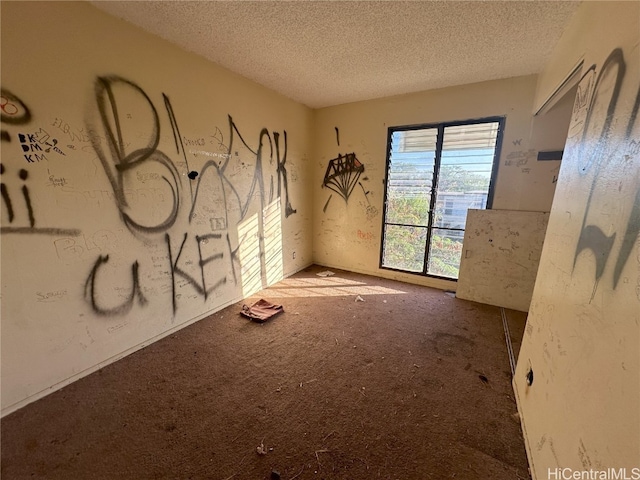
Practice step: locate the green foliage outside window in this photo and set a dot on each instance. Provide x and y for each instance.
(404, 245)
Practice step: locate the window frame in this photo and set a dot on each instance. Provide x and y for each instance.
(440, 126)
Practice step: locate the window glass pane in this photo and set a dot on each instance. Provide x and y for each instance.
(420, 140)
(445, 252)
(471, 137)
(410, 176)
(404, 248)
(451, 208)
(465, 172)
(466, 155)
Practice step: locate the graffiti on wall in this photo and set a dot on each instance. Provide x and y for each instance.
(125, 307)
(189, 223)
(599, 152)
(14, 187)
(127, 151)
(343, 175)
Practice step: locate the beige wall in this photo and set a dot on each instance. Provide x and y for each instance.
(582, 338)
(101, 269)
(549, 133)
(347, 234)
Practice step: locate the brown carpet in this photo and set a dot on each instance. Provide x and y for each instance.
(410, 383)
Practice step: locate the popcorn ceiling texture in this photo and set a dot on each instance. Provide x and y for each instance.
(325, 53)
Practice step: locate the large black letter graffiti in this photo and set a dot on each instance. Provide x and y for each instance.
(598, 125)
(13, 111)
(282, 172)
(30, 216)
(106, 89)
(203, 262)
(249, 195)
(175, 270)
(257, 185)
(124, 307)
(6, 199)
(177, 137)
(241, 188)
(633, 226)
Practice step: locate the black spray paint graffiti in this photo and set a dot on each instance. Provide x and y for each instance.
(342, 175)
(178, 140)
(125, 153)
(601, 110)
(120, 161)
(282, 173)
(124, 307)
(581, 102)
(15, 112)
(256, 182)
(597, 124)
(633, 226)
(29, 217)
(128, 155)
(179, 272)
(365, 191)
(23, 174)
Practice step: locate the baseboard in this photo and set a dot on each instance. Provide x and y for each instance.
(423, 281)
(57, 386)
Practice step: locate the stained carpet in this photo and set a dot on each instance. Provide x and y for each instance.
(359, 378)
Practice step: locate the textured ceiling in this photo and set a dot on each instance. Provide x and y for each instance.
(323, 53)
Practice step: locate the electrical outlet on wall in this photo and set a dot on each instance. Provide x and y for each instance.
(294, 255)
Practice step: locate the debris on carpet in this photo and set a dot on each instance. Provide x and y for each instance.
(261, 311)
(326, 273)
(260, 450)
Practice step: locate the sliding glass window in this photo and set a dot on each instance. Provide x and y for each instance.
(435, 173)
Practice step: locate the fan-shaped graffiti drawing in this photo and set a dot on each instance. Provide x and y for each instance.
(342, 174)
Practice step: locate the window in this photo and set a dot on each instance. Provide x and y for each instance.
(435, 173)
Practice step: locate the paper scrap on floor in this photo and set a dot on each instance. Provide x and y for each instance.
(326, 273)
(261, 311)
